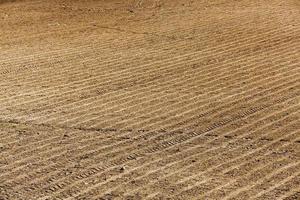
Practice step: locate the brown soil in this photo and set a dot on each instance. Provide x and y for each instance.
(150, 99)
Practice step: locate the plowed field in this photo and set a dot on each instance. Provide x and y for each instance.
(150, 99)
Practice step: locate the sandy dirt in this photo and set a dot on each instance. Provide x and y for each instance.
(150, 99)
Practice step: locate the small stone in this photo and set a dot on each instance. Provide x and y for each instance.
(122, 169)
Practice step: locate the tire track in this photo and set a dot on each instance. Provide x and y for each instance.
(212, 111)
(186, 167)
(167, 145)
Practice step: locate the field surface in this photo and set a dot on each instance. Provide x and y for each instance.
(150, 99)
